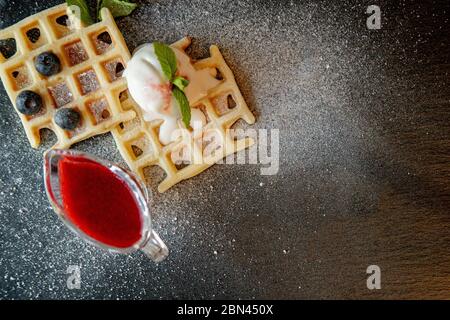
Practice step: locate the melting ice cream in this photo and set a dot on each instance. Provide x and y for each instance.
(152, 91)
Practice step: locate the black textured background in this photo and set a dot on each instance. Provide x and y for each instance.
(364, 163)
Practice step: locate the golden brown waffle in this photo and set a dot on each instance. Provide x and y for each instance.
(138, 141)
(90, 79)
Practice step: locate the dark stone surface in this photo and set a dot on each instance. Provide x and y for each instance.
(364, 176)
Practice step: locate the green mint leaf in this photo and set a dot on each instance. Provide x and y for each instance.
(184, 106)
(168, 62)
(84, 10)
(118, 8)
(166, 58)
(180, 82)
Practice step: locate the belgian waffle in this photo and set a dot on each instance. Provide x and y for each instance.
(138, 142)
(92, 58)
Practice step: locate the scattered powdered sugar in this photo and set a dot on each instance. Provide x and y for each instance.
(61, 94)
(99, 110)
(280, 63)
(21, 77)
(114, 69)
(88, 81)
(141, 146)
(102, 42)
(76, 53)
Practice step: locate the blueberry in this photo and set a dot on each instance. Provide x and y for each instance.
(47, 64)
(67, 119)
(28, 102)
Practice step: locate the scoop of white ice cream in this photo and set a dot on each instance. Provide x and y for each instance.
(152, 91)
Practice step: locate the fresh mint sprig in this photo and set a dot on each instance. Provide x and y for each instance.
(180, 82)
(118, 8)
(168, 62)
(183, 102)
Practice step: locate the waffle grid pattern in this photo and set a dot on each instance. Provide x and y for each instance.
(88, 80)
(138, 140)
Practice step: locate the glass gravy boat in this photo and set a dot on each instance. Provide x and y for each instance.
(150, 243)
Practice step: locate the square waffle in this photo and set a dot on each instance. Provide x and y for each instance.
(92, 58)
(138, 142)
